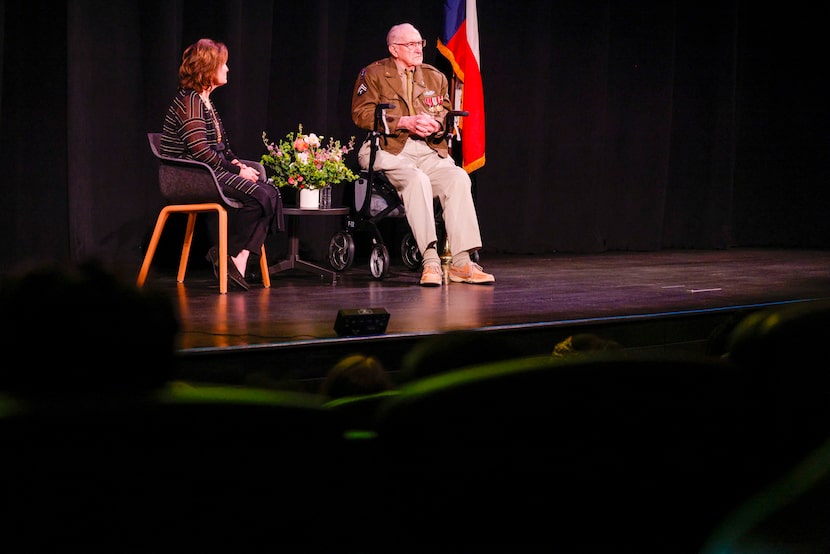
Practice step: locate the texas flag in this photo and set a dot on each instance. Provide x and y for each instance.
(459, 44)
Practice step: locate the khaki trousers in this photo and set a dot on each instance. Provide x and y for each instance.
(419, 174)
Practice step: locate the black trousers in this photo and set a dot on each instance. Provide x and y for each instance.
(261, 214)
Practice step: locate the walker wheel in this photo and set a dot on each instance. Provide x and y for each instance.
(379, 261)
(341, 251)
(410, 254)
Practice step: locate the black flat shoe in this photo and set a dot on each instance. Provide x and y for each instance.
(236, 277)
(213, 258)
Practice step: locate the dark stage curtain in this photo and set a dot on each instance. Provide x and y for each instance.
(610, 125)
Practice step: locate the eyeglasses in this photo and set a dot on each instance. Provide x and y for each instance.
(413, 44)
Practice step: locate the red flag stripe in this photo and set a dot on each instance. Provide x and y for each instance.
(462, 52)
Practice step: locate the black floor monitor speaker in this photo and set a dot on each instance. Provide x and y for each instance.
(361, 321)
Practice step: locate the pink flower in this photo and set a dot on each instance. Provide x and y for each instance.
(300, 145)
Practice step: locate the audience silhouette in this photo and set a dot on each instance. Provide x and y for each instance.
(89, 318)
(354, 375)
(780, 353)
(454, 350)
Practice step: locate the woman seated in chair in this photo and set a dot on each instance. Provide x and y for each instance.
(193, 129)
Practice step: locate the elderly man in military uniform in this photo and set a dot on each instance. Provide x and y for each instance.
(413, 153)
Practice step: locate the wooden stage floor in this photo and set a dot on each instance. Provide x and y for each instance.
(285, 336)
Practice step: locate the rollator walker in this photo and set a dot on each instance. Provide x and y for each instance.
(375, 199)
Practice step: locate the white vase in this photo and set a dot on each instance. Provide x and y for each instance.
(310, 198)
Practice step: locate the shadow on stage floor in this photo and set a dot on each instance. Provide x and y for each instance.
(284, 335)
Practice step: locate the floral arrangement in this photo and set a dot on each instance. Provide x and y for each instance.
(303, 162)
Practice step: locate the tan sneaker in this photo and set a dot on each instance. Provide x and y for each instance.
(470, 273)
(432, 276)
